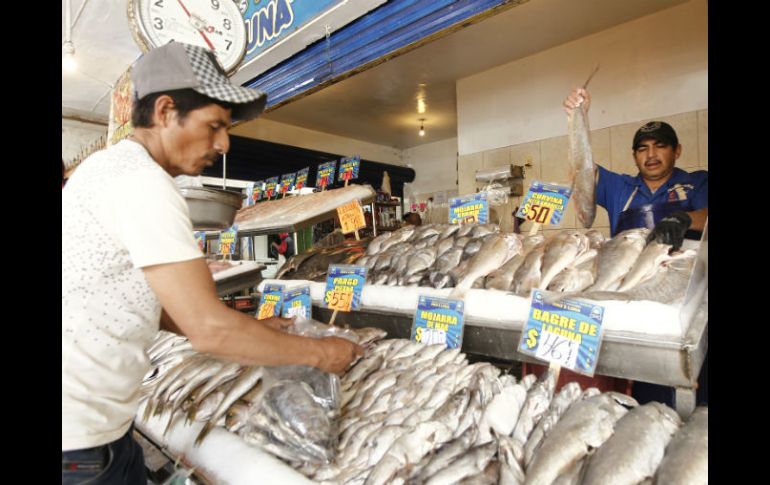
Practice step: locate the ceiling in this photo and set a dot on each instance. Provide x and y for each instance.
(378, 105)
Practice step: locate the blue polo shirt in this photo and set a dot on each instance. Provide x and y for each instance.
(613, 191)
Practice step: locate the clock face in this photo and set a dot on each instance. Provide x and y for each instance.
(213, 24)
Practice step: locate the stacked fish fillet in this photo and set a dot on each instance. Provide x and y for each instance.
(445, 255)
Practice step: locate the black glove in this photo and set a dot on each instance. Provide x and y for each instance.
(671, 229)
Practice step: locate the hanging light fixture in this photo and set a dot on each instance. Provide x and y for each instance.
(68, 61)
(422, 126)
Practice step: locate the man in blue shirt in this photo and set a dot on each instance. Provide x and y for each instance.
(668, 200)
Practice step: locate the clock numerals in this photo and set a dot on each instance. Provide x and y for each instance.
(158, 23)
(229, 43)
(159, 3)
(227, 24)
(215, 4)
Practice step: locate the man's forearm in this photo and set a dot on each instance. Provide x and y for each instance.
(699, 218)
(168, 324)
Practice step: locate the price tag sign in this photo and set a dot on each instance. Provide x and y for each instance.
(257, 191)
(351, 217)
(567, 332)
(200, 238)
(545, 203)
(344, 284)
(349, 168)
(270, 185)
(302, 178)
(227, 240)
(287, 181)
(270, 302)
(325, 175)
(469, 209)
(439, 321)
(297, 303)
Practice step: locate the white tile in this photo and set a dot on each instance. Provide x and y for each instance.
(466, 172)
(527, 155)
(555, 160)
(497, 157)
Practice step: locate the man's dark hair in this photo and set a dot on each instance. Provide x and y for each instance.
(185, 100)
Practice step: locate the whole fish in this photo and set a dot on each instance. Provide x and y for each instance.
(502, 413)
(536, 405)
(617, 257)
(502, 278)
(248, 378)
(596, 239)
(687, 455)
(650, 428)
(471, 463)
(586, 425)
(560, 403)
(376, 244)
(497, 249)
(582, 170)
(560, 251)
(511, 472)
(528, 275)
(646, 265)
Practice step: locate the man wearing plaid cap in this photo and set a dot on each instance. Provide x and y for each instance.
(131, 266)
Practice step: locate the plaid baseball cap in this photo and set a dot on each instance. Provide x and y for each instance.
(183, 66)
(657, 130)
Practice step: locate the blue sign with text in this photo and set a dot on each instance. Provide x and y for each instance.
(566, 332)
(439, 321)
(268, 22)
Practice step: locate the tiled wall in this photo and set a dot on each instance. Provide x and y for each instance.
(546, 160)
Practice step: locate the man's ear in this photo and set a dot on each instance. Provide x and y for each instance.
(678, 151)
(164, 110)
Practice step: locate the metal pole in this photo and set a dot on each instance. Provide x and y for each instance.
(224, 171)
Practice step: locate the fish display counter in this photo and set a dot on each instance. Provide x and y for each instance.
(657, 331)
(405, 412)
(291, 214)
(233, 276)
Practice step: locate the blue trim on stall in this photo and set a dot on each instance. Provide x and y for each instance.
(386, 29)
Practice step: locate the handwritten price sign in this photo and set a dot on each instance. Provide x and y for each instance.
(566, 332)
(351, 217)
(344, 284)
(341, 300)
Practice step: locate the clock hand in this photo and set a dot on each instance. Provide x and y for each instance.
(196, 28)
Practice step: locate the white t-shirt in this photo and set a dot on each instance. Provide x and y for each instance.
(120, 212)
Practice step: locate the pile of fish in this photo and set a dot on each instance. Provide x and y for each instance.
(291, 411)
(438, 255)
(313, 264)
(585, 264)
(414, 413)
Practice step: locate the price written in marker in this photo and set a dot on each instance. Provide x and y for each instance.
(545, 203)
(344, 285)
(565, 332)
(351, 217)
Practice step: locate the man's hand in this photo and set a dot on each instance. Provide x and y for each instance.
(671, 229)
(278, 323)
(338, 354)
(577, 97)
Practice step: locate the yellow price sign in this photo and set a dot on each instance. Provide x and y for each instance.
(340, 300)
(266, 310)
(539, 214)
(351, 217)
